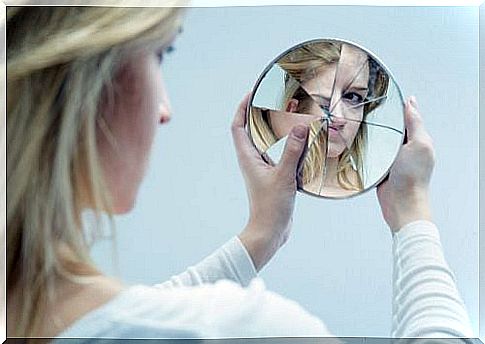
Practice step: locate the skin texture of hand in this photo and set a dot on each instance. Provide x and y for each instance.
(403, 196)
(271, 189)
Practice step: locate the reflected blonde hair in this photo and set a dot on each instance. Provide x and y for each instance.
(61, 63)
(300, 65)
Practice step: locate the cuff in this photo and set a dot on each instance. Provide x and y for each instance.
(418, 237)
(416, 227)
(241, 260)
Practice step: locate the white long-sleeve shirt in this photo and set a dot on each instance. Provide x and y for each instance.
(222, 297)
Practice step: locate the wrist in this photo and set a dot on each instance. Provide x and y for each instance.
(413, 207)
(260, 246)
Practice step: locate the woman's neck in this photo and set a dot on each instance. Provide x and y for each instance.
(74, 296)
(72, 301)
(331, 180)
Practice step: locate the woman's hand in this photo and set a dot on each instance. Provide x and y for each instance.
(403, 196)
(271, 189)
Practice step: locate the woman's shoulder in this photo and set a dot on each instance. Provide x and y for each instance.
(222, 309)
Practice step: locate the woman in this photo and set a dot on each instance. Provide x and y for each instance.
(319, 77)
(84, 99)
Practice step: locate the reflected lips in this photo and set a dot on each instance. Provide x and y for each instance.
(333, 132)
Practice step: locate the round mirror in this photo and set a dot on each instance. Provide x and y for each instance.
(348, 99)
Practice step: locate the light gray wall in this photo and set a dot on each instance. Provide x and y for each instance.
(337, 262)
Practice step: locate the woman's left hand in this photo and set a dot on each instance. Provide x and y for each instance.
(271, 189)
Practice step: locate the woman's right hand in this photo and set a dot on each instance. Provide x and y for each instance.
(403, 196)
(271, 189)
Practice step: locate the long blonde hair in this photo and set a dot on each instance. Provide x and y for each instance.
(61, 62)
(300, 65)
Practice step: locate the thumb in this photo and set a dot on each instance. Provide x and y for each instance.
(295, 145)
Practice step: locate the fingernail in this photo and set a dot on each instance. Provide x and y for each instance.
(414, 102)
(299, 131)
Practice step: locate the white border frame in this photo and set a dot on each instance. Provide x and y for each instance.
(225, 3)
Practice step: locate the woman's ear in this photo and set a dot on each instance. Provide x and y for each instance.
(292, 105)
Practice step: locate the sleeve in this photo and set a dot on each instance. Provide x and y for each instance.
(255, 312)
(426, 301)
(220, 310)
(231, 261)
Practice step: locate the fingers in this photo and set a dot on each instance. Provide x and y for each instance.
(295, 145)
(416, 131)
(239, 120)
(414, 122)
(244, 148)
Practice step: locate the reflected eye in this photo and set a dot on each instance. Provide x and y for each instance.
(324, 104)
(353, 98)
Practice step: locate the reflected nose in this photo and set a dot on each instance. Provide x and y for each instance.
(337, 117)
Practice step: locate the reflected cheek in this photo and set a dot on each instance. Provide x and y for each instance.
(352, 126)
(353, 129)
(314, 110)
(356, 114)
(280, 127)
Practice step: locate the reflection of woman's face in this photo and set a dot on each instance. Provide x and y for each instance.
(282, 122)
(349, 78)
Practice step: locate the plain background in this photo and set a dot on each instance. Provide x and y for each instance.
(337, 263)
(482, 175)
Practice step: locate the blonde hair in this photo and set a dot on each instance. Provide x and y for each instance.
(300, 66)
(61, 62)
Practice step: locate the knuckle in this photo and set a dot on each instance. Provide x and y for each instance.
(417, 117)
(293, 147)
(429, 141)
(425, 146)
(283, 174)
(414, 112)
